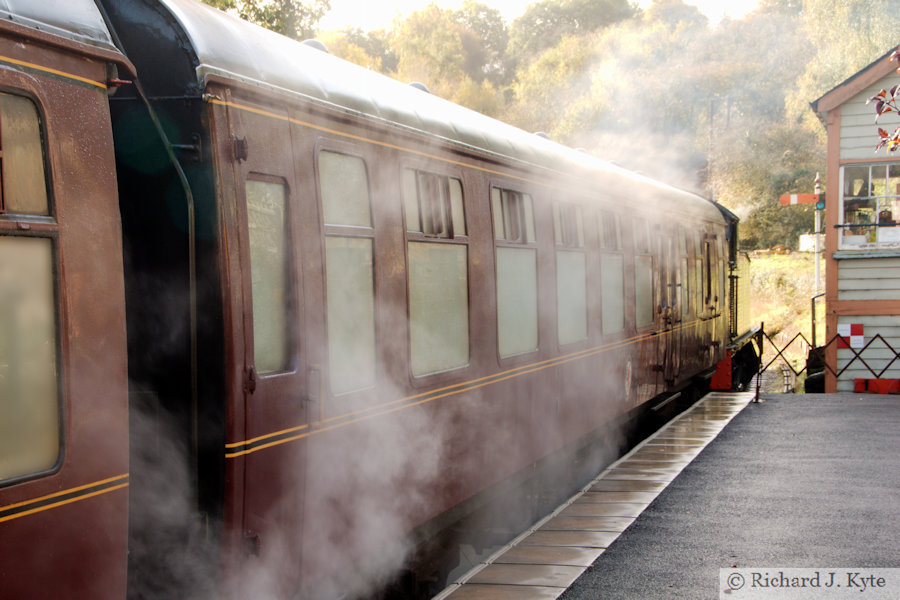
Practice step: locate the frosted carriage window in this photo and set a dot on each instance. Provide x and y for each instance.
(29, 389)
(517, 304)
(612, 295)
(349, 272)
(345, 190)
(270, 274)
(643, 290)
(23, 187)
(438, 272)
(571, 273)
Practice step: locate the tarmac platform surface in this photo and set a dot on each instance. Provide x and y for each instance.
(793, 481)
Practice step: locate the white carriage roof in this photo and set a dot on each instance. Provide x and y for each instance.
(77, 20)
(232, 48)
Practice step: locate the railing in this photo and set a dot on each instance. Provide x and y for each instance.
(818, 354)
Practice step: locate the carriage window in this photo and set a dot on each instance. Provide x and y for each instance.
(345, 190)
(641, 237)
(643, 274)
(23, 188)
(29, 390)
(270, 275)
(349, 272)
(568, 225)
(643, 290)
(438, 272)
(517, 304)
(513, 216)
(434, 204)
(571, 273)
(571, 296)
(612, 275)
(610, 231)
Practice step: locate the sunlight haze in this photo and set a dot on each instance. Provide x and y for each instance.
(368, 15)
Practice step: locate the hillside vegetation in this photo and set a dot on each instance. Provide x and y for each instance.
(781, 289)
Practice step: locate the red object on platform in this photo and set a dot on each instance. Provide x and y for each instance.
(860, 385)
(721, 379)
(884, 386)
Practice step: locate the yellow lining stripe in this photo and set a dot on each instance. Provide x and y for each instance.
(62, 502)
(360, 138)
(22, 63)
(452, 390)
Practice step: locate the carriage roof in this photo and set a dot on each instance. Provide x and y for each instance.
(228, 47)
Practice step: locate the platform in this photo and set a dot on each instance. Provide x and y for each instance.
(794, 481)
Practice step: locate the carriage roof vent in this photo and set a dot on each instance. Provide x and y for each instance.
(317, 45)
(419, 86)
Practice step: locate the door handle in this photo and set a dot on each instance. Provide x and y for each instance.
(251, 379)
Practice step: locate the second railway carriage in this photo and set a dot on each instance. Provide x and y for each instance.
(354, 310)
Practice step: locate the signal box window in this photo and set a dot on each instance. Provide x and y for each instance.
(517, 305)
(612, 273)
(349, 271)
(871, 201)
(29, 389)
(571, 273)
(24, 185)
(438, 255)
(270, 274)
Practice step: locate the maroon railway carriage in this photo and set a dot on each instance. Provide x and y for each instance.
(63, 382)
(354, 310)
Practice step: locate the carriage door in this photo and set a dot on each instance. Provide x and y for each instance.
(270, 355)
(669, 312)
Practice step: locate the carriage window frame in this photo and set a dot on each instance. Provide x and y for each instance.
(572, 322)
(45, 225)
(643, 252)
(515, 237)
(453, 233)
(609, 241)
(49, 215)
(348, 231)
(290, 308)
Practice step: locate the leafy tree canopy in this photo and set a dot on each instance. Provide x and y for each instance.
(292, 18)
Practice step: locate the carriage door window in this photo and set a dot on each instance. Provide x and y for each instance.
(643, 274)
(29, 349)
(612, 273)
(269, 270)
(571, 273)
(349, 271)
(438, 254)
(517, 304)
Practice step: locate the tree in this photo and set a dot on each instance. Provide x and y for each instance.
(545, 23)
(435, 46)
(485, 38)
(292, 18)
(367, 49)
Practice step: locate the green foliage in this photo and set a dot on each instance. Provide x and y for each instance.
(772, 225)
(288, 17)
(547, 22)
(847, 35)
(720, 109)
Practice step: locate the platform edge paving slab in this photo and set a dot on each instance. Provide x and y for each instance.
(516, 571)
